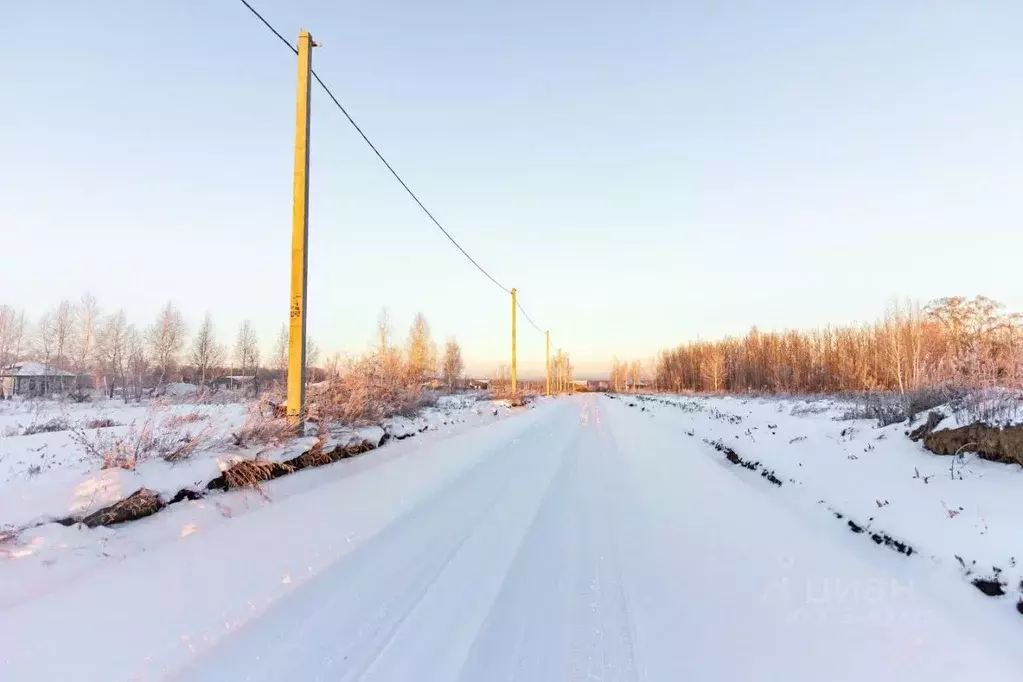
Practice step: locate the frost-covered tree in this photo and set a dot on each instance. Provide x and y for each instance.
(452, 365)
(206, 353)
(111, 349)
(279, 358)
(166, 337)
(82, 340)
(421, 358)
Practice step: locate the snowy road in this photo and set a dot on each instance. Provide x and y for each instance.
(583, 540)
(590, 547)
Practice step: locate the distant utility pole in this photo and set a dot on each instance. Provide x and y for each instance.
(547, 364)
(514, 386)
(299, 235)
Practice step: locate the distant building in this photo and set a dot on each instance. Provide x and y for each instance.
(33, 379)
(598, 385)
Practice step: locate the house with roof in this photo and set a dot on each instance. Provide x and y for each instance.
(33, 379)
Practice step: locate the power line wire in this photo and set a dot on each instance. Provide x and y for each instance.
(528, 318)
(382, 159)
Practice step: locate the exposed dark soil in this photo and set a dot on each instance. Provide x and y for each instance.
(925, 429)
(144, 502)
(733, 457)
(992, 587)
(989, 442)
(140, 504)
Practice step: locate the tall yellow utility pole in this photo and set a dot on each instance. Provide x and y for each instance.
(513, 367)
(299, 235)
(547, 364)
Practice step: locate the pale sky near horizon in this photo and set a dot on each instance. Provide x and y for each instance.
(645, 173)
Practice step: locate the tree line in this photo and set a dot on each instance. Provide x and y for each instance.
(106, 350)
(954, 341)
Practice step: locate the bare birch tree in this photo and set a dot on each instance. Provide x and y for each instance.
(63, 332)
(279, 358)
(453, 367)
(43, 339)
(421, 359)
(206, 353)
(166, 337)
(82, 341)
(12, 332)
(387, 355)
(137, 362)
(246, 350)
(111, 346)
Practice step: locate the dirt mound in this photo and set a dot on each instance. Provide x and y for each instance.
(140, 504)
(989, 442)
(925, 429)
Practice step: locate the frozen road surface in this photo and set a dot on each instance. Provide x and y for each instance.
(581, 540)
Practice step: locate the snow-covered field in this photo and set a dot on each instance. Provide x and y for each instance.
(51, 477)
(960, 516)
(580, 538)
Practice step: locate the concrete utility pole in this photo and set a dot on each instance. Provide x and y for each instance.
(299, 236)
(514, 385)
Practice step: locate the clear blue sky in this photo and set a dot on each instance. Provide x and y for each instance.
(784, 164)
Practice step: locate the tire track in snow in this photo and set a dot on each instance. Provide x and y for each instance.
(561, 613)
(340, 621)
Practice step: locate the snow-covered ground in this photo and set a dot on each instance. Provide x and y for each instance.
(961, 517)
(579, 539)
(50, 475)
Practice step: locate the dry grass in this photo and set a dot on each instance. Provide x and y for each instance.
(176, 421)
(153, 436)
(206, 396)
(253, 473)
(50, 426)
(124, 451)
(187, 444)
(316, 456)
(366, 393)
(262, 426)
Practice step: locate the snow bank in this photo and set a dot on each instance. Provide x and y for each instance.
(961, 515)
(42, 557)
(49, 477)
(180, 389)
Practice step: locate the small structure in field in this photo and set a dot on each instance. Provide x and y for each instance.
(31, 379)
(233, 382)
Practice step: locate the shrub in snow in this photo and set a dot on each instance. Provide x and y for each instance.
(154, 436)
(370, 391)
(994, 406)
(262, 426)
(884, 407)
(178, 420)
(50, 426)
(803, 409)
